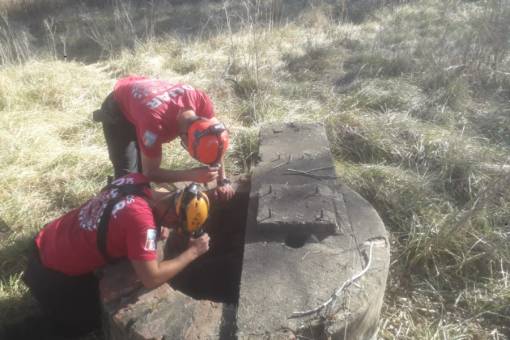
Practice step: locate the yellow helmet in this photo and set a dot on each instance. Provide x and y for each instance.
(192, 208)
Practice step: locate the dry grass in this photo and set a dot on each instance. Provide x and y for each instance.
(414, 96)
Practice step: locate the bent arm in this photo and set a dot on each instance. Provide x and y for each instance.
(152, 274)
(224, 189)
(152, 170)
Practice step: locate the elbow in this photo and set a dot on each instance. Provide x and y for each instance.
(152, 175)
(151, 283)
(149, 173)
(149, 273)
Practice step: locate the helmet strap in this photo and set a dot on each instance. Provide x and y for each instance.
(186, 121)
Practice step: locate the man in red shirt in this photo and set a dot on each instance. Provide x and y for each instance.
(141, 114)
(60, 273)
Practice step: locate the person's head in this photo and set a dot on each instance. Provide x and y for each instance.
(185, 209)
(206, 140)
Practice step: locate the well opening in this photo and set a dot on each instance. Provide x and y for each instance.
(297, 239)
(215, 275)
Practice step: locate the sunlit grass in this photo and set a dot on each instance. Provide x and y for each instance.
(414, 97)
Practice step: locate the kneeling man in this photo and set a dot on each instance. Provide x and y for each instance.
(123, 221)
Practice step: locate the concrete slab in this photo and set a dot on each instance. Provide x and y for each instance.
(293, 154)
(298, 208)
(278, 278)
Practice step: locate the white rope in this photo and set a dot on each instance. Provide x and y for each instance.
(339, 290)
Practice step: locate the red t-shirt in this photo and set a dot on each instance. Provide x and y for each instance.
(69, 243)
(153, 105)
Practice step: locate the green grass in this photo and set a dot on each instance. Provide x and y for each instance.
(414, 95)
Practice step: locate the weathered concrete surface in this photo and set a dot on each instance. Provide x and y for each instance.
(288, 269)
(164, 313)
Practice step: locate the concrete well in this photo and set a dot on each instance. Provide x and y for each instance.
(292, 237)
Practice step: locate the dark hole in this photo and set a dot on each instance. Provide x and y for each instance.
(297, 239)
(216, 275)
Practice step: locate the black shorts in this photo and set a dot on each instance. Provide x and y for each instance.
(70, 303)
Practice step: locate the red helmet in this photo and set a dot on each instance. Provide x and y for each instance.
(207, 141)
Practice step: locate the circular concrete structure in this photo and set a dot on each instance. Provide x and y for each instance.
(294, 255)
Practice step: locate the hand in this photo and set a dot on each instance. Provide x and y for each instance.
(225, 192)
(165, 232)
(200, 245)
(203, 174)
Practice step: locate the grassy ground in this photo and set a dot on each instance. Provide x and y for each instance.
(415, 97)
